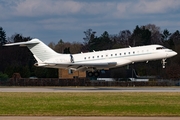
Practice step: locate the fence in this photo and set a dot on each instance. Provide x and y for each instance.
(83, 82)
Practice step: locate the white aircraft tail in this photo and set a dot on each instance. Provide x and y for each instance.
(40, 50)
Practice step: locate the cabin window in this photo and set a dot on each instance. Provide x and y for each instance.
(133, 52)
(84, 57)
(97, 56)
(101, 55)
(115, 54)
(119, 53)
(124, 53)
(106, 55)
(111, 54)
(129, 52)
(93, 57)
(88, 57)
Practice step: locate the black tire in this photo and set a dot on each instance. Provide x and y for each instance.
(96, 74)
(90, 74)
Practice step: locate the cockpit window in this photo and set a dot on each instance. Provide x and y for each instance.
(160, 48)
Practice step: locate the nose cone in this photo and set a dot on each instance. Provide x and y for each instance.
(172, 53)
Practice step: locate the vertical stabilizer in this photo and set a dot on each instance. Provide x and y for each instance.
(40, 50)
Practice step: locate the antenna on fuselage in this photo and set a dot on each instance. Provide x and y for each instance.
(71, 58)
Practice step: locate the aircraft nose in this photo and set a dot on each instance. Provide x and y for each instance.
(172, 53)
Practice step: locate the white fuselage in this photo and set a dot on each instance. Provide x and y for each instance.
(120, 56)
(46, 57)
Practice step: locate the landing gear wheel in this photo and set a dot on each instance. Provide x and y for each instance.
(90, 74)
(96, 74)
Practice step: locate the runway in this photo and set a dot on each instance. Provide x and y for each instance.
(89, 89)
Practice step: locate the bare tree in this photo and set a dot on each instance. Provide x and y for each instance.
(59, 47)
(121, 40)
(124, 37)
(90, 35)
(52, 45)
(165, 35)
(155, 33)
(75, 47)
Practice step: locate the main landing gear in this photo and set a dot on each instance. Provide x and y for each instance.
(95, 73)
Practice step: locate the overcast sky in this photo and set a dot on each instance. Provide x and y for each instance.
(52, 20)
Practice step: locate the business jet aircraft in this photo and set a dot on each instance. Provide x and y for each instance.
(93, 62)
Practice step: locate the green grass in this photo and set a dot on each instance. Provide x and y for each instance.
(90, 104)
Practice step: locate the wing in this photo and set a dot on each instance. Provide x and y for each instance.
(81, 65)
(88, 65)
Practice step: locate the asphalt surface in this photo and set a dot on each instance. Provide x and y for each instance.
(87, 89)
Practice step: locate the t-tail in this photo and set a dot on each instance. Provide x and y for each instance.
(41, 51)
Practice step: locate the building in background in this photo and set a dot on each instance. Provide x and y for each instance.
(69, 74)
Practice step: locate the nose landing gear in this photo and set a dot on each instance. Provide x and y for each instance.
(164, 63)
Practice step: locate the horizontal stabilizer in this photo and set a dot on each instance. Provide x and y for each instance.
(34, 41)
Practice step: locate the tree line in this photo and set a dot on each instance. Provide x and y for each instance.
(20, 59)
